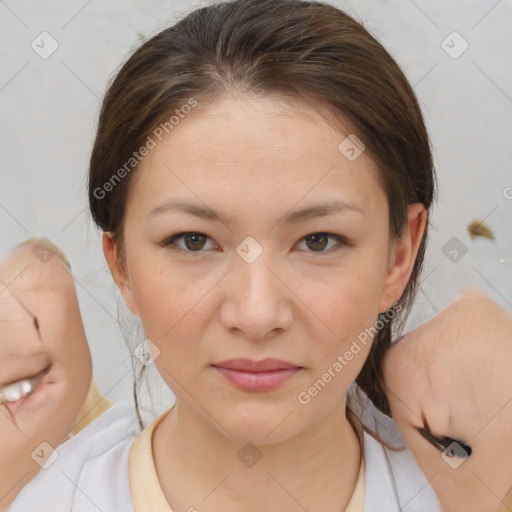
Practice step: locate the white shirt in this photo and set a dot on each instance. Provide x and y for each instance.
(394, 481)
(92, 471)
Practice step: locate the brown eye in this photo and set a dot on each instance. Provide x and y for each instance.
(318, 242)
(193, 242)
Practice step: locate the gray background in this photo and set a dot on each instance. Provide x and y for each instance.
(49, 109)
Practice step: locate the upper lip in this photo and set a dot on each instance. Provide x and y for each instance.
(250, 365)
(24, 368)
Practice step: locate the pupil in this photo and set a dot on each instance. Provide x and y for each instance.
(321, 245)
(195, 241)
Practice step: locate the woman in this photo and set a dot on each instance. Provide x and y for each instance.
(220, 143)
(263, 176)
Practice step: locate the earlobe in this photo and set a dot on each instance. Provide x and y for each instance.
(118, 272)
(403, 256)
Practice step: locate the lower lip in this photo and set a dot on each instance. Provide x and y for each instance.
(257, 381)
(29, 401)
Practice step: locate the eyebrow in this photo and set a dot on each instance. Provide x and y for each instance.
(318, 210)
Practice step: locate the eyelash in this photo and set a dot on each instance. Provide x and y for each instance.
(173, 238)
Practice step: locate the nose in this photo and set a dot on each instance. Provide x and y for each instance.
(257, 304)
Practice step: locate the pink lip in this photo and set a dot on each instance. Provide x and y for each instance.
(33, 400)
(249, 365)
(36, 398)
(257, 375)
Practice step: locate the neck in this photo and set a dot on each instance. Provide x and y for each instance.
(315, 470)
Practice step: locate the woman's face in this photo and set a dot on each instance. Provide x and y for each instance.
(255, 282)
(53, 356)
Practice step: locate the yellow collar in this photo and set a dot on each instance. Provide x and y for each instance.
(147, 493)
(94, 406)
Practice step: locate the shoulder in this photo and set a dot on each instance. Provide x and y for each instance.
(95, 458)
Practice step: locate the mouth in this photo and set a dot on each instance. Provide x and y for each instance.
(251, 375)
(21, 389)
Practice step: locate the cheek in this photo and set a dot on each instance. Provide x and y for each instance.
(346, 300)
(76, 363)
(166, 299)
(335, 305)
(175, 309)
(347, 307)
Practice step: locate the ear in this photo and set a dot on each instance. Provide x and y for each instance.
(119, 272)
(403, 256)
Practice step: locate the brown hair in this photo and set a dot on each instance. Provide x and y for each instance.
(311, 50)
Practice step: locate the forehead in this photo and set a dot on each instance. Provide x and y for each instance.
(257, 144)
